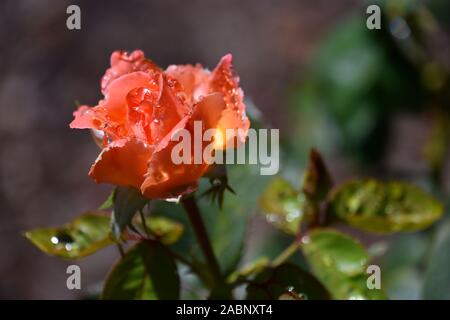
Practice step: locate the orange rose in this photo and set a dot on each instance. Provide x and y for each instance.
(143, 106)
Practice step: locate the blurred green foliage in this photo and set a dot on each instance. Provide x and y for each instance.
(356, 79)
(384, 207)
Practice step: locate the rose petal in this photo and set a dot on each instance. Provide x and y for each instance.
(230, 119)
(116, 93)
(194, 79)
(224, 80)
(84, 118)
(165, 179)
(111, 114)
(123, 63)
(209, 110)
(172, 108)
(123, 162)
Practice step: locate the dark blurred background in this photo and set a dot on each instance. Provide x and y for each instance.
(371, 101)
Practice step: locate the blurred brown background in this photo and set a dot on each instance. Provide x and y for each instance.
(45, 68)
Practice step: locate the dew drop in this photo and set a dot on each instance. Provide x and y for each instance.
(171, 83)
(173, 199)
(61, 238)
(293, 215)
(305, 239)
(160, 176)
(272, 218)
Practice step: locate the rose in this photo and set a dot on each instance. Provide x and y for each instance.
(144, 106)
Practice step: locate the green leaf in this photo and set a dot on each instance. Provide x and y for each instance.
(316, 180)
(437, 277)
(127, 201)
(334, 248)
(167, 230)
(283, 206)
(384, 207)
(147, 271)
(287, 278)
(81, 237)
(109, 202)
(340, 264)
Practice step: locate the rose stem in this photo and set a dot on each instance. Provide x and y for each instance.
(193, 212)
(288, 252)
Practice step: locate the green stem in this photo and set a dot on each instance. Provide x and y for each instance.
(287, 253)
(220, 289)
(193, 212)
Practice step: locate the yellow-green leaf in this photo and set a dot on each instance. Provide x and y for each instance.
(384, 207)
(283, 206)
(109, 202)
(81, 237)
(167, 230)
(340, 263)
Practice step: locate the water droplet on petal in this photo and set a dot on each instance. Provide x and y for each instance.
(171, 83)
(174, 199)
(61, 238)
